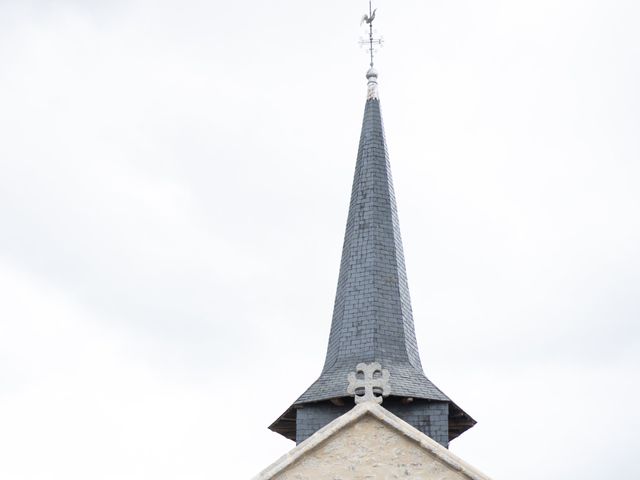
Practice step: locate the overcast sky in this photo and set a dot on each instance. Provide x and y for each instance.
(174, 185)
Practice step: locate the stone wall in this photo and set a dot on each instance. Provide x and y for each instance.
(369, 449)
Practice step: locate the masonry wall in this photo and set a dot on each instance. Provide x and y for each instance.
(370, 449)
(431, 418)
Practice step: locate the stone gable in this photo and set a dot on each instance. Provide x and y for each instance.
(368, 443)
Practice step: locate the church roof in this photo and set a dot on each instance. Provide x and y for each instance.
(372, 317)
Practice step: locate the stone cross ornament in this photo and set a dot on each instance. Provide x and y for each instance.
(369, 383)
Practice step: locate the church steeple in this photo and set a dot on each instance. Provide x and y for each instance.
(372, 317)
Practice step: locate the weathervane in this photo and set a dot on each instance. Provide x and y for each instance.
(372, 40)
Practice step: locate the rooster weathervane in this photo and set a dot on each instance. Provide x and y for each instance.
(368, 19)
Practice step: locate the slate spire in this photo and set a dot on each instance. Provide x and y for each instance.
(372, 317)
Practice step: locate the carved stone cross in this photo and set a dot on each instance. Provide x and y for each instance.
(363, 388)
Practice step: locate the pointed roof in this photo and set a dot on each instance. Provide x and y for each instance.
(372, 317)
(436, 461)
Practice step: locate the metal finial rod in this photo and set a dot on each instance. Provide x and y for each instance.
(370, 35)
(372, 41)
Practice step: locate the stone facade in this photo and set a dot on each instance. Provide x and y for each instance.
(369, 442)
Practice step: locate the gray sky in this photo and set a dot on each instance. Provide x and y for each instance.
(174, 184)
